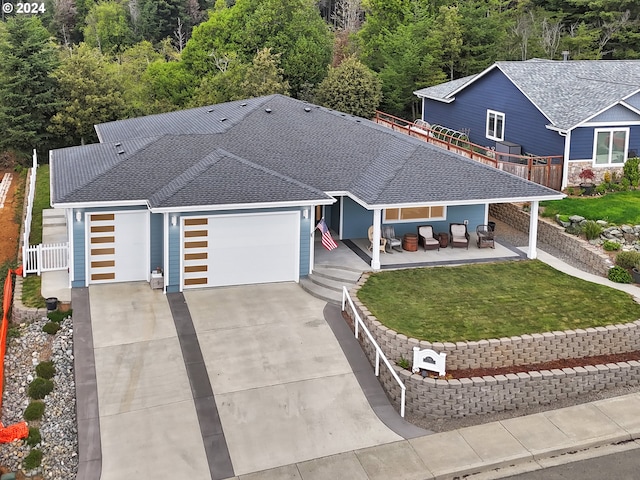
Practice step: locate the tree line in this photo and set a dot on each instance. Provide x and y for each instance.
(83, 62)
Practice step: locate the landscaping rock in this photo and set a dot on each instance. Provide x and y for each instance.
(576, 219)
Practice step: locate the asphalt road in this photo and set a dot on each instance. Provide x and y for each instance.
(622, 466)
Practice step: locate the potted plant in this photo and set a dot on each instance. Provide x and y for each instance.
(586, 180)
(635, 272)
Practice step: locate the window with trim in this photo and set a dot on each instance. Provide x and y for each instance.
(610, 145)
(413, 214)
(495, 125)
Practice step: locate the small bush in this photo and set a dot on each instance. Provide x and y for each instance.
(591, 230)
(602, 188)
(611, 246)
(40, 388)
(46, 370)
(627, 260)
(631, 170)
(404, 363)
(34, 411)
(14, 332)
(619, 275)
(32, 460)
(58, 316)
(51, 328)
(34, 437)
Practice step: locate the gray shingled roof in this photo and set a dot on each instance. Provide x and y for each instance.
(567, 93)
(295, 152)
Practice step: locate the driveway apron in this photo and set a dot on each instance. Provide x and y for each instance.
(148, 422)
(284, 390)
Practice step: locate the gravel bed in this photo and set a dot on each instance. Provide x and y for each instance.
(59, 444)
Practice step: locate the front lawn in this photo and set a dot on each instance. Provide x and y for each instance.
(41, 201)
(618, 208)
(481, 301)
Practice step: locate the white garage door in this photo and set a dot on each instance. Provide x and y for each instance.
(117, 247)
(240, 249)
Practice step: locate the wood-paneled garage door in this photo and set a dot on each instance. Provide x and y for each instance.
(240, 249)
(118, 247)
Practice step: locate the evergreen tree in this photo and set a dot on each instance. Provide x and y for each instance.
(27, 89)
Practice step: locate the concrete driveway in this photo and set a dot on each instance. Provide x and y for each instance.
(236, 380)
(283, 387)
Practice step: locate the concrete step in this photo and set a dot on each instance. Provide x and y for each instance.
(318, 291)
(339, 274)
(329, 283)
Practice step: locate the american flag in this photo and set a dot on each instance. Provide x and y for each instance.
(327, 240)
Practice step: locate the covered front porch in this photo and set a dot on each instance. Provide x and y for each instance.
(354, 254)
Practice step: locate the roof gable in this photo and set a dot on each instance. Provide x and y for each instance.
(566, 92)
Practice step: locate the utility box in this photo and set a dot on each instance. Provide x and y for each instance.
(508, 147)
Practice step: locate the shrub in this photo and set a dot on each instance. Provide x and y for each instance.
(631, 170)
(624, 184)
(32, 460)
(602, 188)
(58, 316)
(607, 177)
(627, 259)
(34, 437)
(619, 275)
(46, 370)
(403, 363)
(51, 328)
(587, 175)
(14, 332)
(591, 230)
(611, 246)
(34, 411)
(40, 388)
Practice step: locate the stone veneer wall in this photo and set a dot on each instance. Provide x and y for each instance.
(439, 398)
(555, 236)
(20, 313)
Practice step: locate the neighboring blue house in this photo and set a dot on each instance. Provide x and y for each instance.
(587, 111)
(230, 194)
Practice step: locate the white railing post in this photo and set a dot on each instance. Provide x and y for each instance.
(379, 353)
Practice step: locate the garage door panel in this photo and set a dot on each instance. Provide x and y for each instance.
(118, 247)
(242, 249)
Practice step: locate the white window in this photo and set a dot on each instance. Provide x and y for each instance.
(610, 145)
(413, 214)
(495, 125)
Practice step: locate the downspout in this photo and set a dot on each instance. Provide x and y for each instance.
(375, 248)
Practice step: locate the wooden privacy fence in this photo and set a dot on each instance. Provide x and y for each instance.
(545, 171)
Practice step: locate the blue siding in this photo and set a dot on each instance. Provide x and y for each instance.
(156, 242)
(634, 100)
(305, 243)
(173, 284)
(524, 124)
(617, 113)
(333, 212)
(79, 260)
(357, 219)
(582, 142)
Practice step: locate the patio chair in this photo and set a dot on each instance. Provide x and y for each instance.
(427, 239)
(383, 241)
(458, 235)
(485, 236)
(393, 242)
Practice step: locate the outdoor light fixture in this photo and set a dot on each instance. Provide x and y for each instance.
(305, 213)
(78, 216)
(174, 221)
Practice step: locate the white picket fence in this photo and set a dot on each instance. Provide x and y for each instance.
(43, 257)
(359, 324)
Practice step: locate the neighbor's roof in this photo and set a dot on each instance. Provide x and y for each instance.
(272, 149)
(566, 92)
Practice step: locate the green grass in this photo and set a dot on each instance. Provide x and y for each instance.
(617, 208)
(41, 202)
(31, 295)
(481, 301)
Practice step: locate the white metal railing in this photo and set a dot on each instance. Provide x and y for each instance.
(45, 257)
(379, 353)
(29, 214)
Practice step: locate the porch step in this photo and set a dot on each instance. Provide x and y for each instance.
(339, 274)
(318, 291)
(326, 282)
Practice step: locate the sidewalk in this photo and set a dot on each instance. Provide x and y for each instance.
(528, 442)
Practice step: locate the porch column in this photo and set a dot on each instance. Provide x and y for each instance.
(533, 231)
(375, 249)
